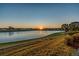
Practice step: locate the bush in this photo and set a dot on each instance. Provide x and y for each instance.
(73, 40)
(69, 40)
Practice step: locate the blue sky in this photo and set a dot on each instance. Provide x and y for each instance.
(33, 15)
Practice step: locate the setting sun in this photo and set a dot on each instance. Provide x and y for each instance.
(40, 27)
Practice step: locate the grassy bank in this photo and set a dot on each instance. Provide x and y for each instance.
(46, 46)
(29, 40)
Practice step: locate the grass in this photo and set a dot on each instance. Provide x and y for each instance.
(51, 45)
(72, 32)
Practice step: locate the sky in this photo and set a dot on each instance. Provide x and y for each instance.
(33, 15)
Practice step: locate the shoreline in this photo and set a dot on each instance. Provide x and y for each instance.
(15, 42)
(46, 43)
(19, 30)
(54, 34)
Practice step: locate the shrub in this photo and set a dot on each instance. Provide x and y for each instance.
(73, 40)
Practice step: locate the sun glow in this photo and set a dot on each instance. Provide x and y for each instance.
(40, 27)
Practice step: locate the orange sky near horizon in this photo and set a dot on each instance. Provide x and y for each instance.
(30, 26)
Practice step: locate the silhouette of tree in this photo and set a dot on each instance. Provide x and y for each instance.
(65, 27)
(74, 26)
(11, 28)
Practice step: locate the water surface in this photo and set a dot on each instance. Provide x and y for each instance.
(23, 35)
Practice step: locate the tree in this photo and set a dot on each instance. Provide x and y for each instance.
(74, 26)
(65, 27)
(10, 28)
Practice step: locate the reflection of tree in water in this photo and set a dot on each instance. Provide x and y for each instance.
(11, 33)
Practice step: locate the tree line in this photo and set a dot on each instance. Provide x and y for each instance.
(73, 26)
